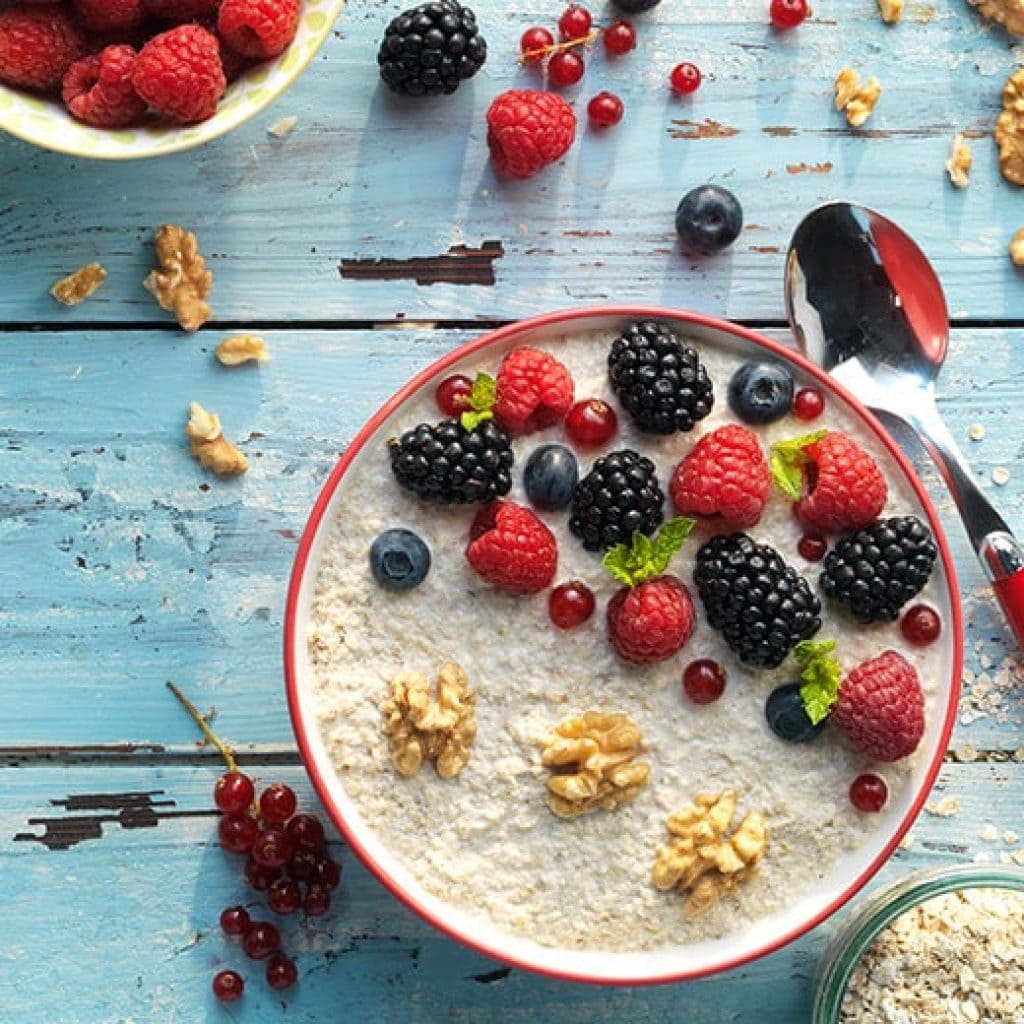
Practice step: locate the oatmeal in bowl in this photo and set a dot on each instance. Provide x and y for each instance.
(622, 645)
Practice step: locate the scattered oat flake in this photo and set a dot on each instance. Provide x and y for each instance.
(976, 431)
(1000, 476)
(78, 286)
(989, 834)
(279, 129)
(944, 808)
(1010, 837)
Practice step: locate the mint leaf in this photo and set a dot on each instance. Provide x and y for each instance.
(820, 677)
(807, 650)
(472, 419)
(484, 393)
(644, 558)
(788, 459)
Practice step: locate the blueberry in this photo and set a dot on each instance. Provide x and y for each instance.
(761, 392)
(399, 559)
(550, 476)
(708, 219)
(635, 6)
(786, 716)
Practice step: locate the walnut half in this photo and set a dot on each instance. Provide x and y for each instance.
(209, 445)
(958, 166)
(700, 859)
(592, 763)
(1008, 13)
(855, 98)
(1017, 248)
(242, 348)
(890, 10)
(1009, 129)
(78, 286)
(420, 728)
(181, 283)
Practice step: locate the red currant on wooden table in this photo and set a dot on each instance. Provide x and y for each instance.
(281, 972)
(571, 604)
(317, 901)
(604, 110)
(284, 896)
(619, 38)
(259, 877)
(868, 793)
(921, 625)
(237, 832)
(228, 986)
(685, 78)
(787, 14)
(233, 793)
(591, 423)
(261, 939)
(812, 547)
(574, 23)
(234, 920)
(277, 803)
(704, 681)
(565, 68)
(453, 392)
(328, 873)
(808, 404)
(303, 865)
(306, 832)
(273, 848)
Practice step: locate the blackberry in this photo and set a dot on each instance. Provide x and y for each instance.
(430, 49)
(762, 606)
(875, 571)
(620, 496)
(447, 464)
(660, 381)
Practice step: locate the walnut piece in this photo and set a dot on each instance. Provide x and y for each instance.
(209, 445)
(592, 763)
(181, 283)
(1008, 13)
(890, 10)
(1009, 129)
(958, 166)
(700, 859)
(855, 98)
(420, 728)
(1017, 248)
(241, 348)
(78, 286)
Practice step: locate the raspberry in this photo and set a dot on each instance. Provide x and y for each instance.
(725, 475)
(511, 548)
(527, 130)
(651, 621)
(880, 707)
(37, 45)
(258, 28)
(843, 487)
(98, 90)
(179, 74)
(534, 390)
(179, 12)
(111, 17)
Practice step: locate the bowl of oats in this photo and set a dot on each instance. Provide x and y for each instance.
(944, 945)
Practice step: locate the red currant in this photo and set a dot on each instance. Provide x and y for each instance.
(259, 877)
(566, 68)
(281, 972)
(575, 22)
(921, 625)
(571, 604)
(812, 547)
(234, 920)
(237, 832)
(532, 42)
(317, 901)
(284, 897)
(328, 873)
(868, 793)
(306, 831)
(704, 681)
(619, 38)
(233, 793)
(591, 423)
(303, 865)
(787, 14)
(261, 939)
(685, 78)
(273, 848)
(228, 986)
(808, 404)
(604, 110)
(277, 803)
(452, 395)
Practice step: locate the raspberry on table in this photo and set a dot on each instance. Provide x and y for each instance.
(111, 17)
(527, 130)
(652, 621)
(726, 475)
(98, 90)
(179, 74)
(844, 489)
(260, 29)
(37, 46)
(534, 390)
(179, 12)
(512, 549)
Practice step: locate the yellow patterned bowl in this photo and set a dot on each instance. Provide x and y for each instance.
(46, 123)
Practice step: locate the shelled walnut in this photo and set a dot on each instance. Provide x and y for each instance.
(890, 10)
(78, 286)
(958, 166)
(181, 283)
(855, 98)
(242, 348)
(420, 728)
(209, 445)
(592, 761)
(700, 859)
(1009, 129)
(1017, 248)
(1008, 13)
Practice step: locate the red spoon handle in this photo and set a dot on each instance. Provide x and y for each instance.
(1010, 591)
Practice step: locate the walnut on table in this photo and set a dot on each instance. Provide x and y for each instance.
(181, 283)
(79, 285)
(700, 859)
(855, 98)
(420, 728)
(1009, 129)
(242, 348)
(1017, 248)
(890, 10)
(592, 763)
(209, 445)
(1008, 13)
(958, 166)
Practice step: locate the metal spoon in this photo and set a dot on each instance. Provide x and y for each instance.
(865, 304)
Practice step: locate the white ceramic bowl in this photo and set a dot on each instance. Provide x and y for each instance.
(664, 964)
(46, 123)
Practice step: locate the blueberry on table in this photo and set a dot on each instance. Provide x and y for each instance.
(761, 392)
(550, 476)
(787, 716)
(708, 219)
(635, 6)
(399, 560)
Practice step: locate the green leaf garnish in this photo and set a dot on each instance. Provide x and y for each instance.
(481, 402)
(788, 459)
(820, 677)
(644, 558)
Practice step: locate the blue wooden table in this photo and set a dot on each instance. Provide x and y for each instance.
(122, 564)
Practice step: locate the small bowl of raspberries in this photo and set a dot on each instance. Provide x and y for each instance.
(124, 79)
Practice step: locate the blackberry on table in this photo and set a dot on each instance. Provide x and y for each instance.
(763, 607)
(660, 381)
(430, 49)
(876, 570)
(620, 496)
(447, 464)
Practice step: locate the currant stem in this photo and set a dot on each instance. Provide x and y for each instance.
(200, 720)
(555, 47)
